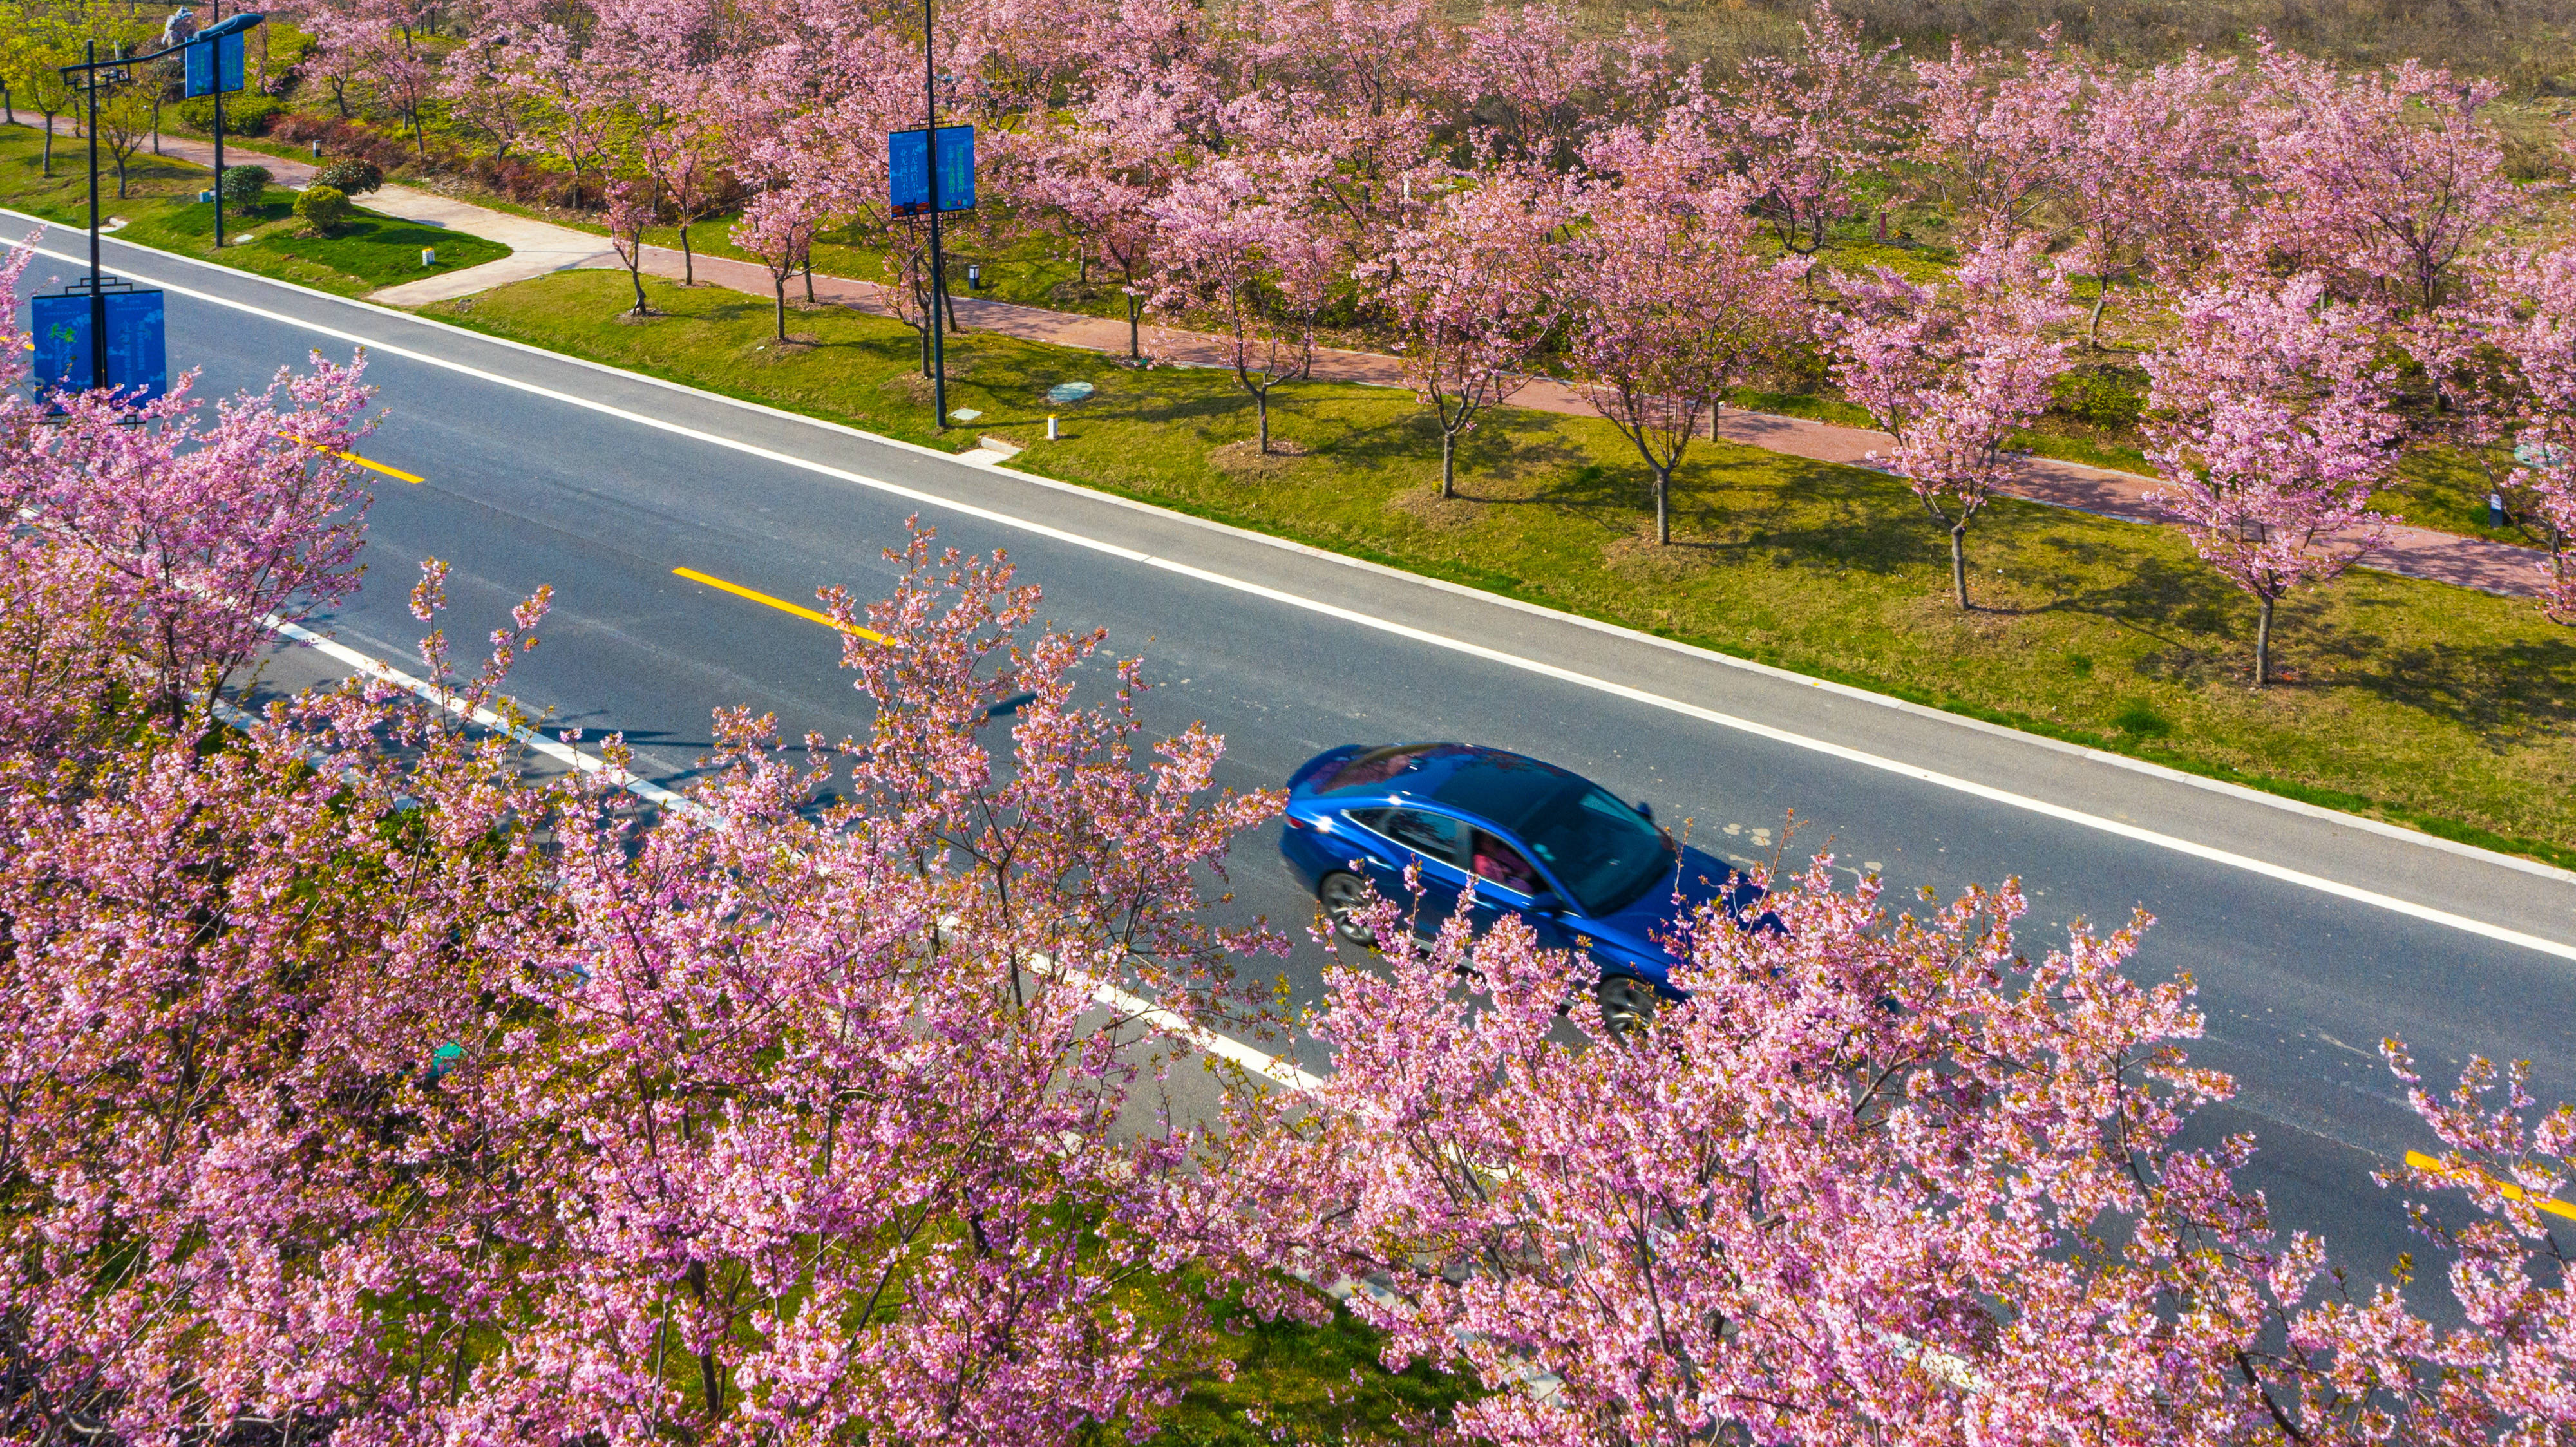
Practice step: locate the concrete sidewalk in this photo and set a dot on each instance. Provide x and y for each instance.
(539, 247)
(536, 247)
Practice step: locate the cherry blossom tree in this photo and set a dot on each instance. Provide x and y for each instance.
(1811, 126)
(628, 215)
(1995, 135)
(2534, 330)
(1531, 83)
(2148, 183)
(1877, 1180)
(1475, 296)
(683, 155)
(2270, 426)
(479, 1107)
(1253, 267)
(778, 226)
(1951, 371)
(184, 528)
(1677, 309)
(2386, 183)
(1104, 172)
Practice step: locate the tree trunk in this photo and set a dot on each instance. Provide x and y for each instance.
(1959, 561)
(1135, 308)
(781, 279)
(688, 263)
(9, 103)
(1663, 507)
(2263, 646)
(809, 279)
(49, 146)
(2101, 299)
(1261, 409)
(635, 273)
(1448, 463)
(120, 173)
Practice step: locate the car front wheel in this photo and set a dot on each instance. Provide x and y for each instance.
(1343, 897)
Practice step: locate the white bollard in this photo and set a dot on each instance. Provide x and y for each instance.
(1051, 433)
(429, 256)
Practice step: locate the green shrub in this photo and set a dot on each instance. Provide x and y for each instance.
(350, 176)
(246, 114)
(324, 208)
(243, 185)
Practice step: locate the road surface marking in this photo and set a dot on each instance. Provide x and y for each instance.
(781, 604)
(2508, 1189)
(1224, 1047)
(924, 498)
(395, 473)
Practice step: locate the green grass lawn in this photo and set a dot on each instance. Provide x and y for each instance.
(161, 209)
(2419, 702)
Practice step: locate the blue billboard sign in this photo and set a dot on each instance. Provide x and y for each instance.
(214, 65)
(138, 366)
(908, 170)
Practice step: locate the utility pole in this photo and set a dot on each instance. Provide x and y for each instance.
(938, 260)
(215, 11)
(97, 287)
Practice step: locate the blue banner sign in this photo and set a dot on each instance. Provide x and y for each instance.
(908, 170)
(138, 367)
(214, 65)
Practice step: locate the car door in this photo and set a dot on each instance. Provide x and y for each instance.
(1435, 841)
(1508, 884)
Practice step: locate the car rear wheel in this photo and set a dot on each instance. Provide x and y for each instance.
(1627, 1003)
(1343, 897)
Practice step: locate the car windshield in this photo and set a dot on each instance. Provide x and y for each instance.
(1599, 849)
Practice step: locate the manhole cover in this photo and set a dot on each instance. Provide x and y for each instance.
(1069, 392)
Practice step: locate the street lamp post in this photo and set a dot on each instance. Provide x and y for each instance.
(938, 262)
(90, 75)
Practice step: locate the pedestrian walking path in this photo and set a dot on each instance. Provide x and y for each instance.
(539, 247)
(536, 247)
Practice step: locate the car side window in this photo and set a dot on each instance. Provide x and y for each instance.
(1501, 863)
(1430, 835)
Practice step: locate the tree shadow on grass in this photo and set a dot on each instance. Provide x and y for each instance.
(2492, 689)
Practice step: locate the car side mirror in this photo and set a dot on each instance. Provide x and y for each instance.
(1645, 811)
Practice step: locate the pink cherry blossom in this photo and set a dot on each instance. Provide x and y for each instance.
(1676, 306)
(1233, 255)
(2270, 427)
(1951, 372)
(1475, 294)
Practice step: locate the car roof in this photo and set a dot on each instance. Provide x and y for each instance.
(1492, 784)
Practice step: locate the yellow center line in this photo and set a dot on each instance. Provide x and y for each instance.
(2508, 1189)
(395, 473)
(781, 604)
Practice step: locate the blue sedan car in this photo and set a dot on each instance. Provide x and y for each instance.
(1586, 870)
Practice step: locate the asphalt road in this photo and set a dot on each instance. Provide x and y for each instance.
(540, 470)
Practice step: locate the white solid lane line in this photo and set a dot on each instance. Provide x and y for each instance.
(2042, 807)
(1135, 1007)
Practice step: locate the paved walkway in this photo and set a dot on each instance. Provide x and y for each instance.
(538, 247)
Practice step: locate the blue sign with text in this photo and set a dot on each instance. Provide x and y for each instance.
(137, 366)
(908, 170)
(214, 65)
